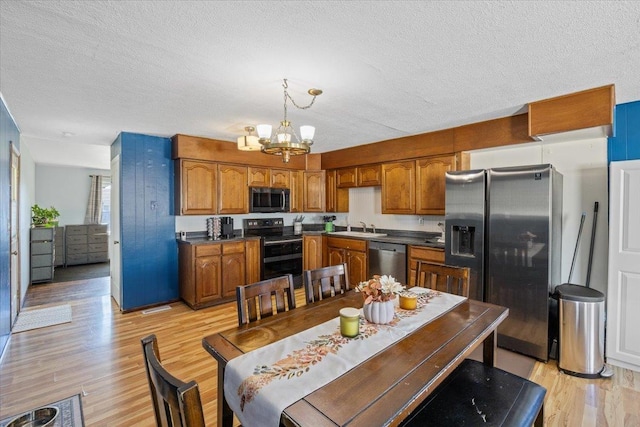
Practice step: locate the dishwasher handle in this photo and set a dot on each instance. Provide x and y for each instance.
(385, 246)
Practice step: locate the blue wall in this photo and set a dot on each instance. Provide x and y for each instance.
(147, 225)
(8, 133)
(625, 144)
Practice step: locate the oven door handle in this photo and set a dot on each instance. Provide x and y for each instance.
(277, 242)
(282, 199)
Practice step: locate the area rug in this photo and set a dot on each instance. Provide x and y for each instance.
(41, 317)
(509, 361)
(70, 413)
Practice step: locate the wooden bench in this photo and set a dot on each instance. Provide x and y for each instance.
(479, 395)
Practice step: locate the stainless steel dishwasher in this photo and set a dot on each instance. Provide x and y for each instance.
(388, 258)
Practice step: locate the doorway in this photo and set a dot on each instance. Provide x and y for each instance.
(16, 288)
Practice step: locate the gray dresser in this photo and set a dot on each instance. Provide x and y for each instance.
(86, 243)
(42, 254)
(58, 259)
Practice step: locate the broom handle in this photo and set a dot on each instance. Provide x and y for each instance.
(593, 238)
(575, 251)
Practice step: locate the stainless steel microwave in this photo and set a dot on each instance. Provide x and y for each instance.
(263, 199)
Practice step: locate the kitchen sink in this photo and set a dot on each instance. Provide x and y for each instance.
(357, 234)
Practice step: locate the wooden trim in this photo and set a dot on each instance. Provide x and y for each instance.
(408, 147)
(194, 147)
(580, 110)
(492, 133)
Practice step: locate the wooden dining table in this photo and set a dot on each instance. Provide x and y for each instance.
(385, 388)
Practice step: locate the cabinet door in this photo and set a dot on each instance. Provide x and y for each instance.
(296, 185)
(336, 256)
(357, 264)
(430, 179)
(258, 177)
(399, 188)
(314, 191)
(232, 189)
(252, 259)
(233, 273)
(279, 178)
(196, 187)
(369, 176)
(311, 252)
(208, 278)
(346, 178)
(337, 199)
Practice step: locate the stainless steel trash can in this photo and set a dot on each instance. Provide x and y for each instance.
(581, 338)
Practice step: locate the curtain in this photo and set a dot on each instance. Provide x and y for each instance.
(94, 206)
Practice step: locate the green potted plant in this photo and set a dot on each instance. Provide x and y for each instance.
(44, 217)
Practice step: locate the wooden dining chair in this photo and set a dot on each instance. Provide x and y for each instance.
(441, 277)
(175, 403)
(255, 300)
(325, 282)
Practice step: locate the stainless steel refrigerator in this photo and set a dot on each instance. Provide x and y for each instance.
(505, 224)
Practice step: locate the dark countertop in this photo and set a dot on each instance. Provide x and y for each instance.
(206, 241)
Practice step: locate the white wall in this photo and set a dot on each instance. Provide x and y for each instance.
(27, 199)
(583, 165)
(65, 188)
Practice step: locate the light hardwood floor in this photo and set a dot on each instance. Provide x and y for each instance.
(99, 356)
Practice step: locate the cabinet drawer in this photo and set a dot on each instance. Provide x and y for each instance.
(76, 258)
(233, 248)
(41, 233)
(38, 248)
(208, 250)
(426, 254)
(353, 244)
(98, 257)
(42, 260)
(96, 229)
(75, 239)
(41, 273)
(75, 229)
(76, 249)
(98, 238)
(98, 247)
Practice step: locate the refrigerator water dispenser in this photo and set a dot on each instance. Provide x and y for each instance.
(462, 240)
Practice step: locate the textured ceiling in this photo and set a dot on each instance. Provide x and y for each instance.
(388, 69)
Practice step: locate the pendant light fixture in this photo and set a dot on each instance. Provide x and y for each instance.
(249, 142)
(285, 141)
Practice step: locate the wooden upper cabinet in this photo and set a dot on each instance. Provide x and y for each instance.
(233, 192)
(314, 189)
(280, 178)
(196, 187)
(346, 178)
(337, 199)
(258, 177)
(430, 183)
(369, 176)
(399, 187)
(296, 185)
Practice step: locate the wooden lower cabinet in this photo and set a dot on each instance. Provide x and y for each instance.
(210, 272)
(311, 252)
(253, 260)
(422, 253)
(351, 251)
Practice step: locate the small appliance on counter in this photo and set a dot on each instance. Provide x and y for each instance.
(328, 223)
(220, 228)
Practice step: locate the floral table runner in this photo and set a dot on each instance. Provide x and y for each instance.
(260, 384)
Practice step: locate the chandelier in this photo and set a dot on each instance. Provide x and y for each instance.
(249, 142)
(285, 141)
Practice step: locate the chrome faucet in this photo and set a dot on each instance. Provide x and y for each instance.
(364, 226)
(374, 228)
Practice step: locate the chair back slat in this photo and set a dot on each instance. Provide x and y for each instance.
(444, 278)
(326, 282)
(256, 300)
(175, 403)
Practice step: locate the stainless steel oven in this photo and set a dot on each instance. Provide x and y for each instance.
(281, 251)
